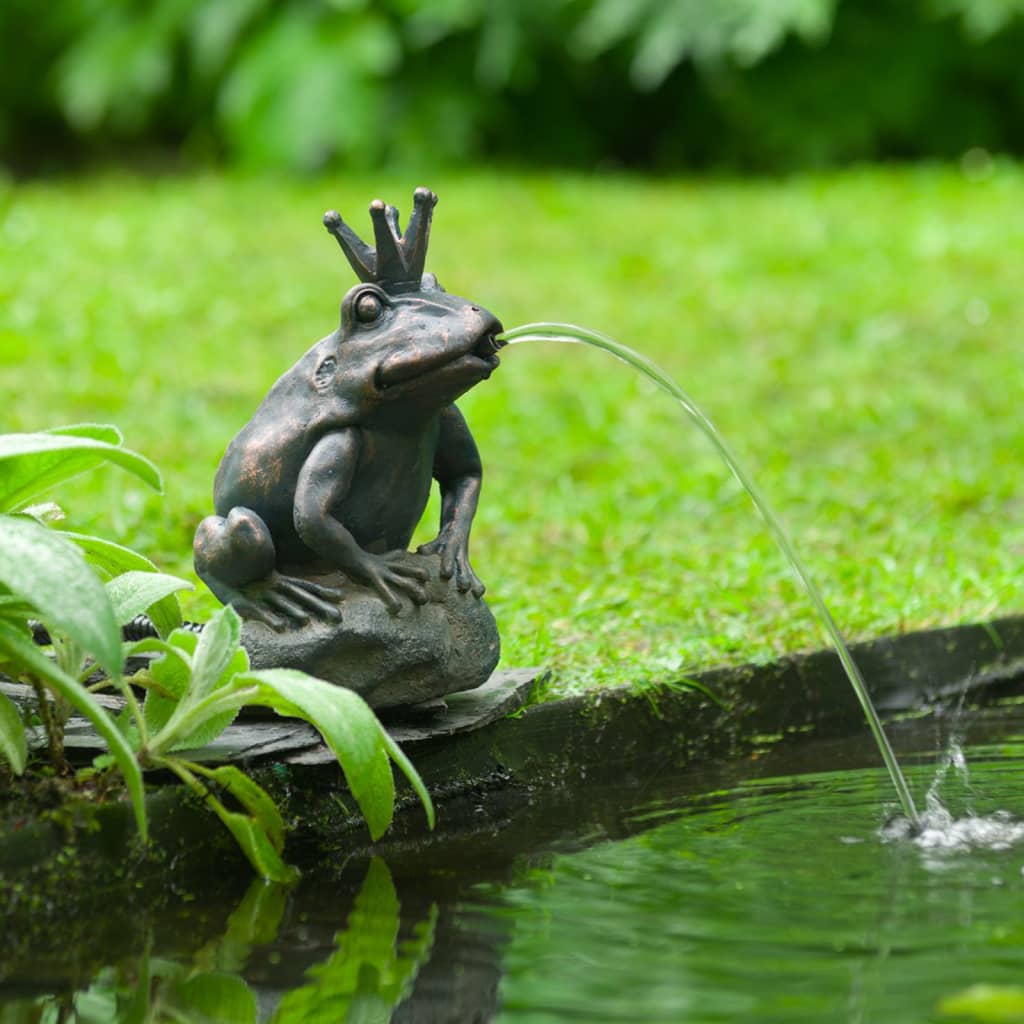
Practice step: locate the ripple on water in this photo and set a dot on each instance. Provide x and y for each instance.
(790, 899)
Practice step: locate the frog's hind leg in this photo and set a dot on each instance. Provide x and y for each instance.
(236, 559)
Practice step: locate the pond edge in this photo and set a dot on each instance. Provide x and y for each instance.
(610, 734)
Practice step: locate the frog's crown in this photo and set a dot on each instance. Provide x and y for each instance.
(397, 262)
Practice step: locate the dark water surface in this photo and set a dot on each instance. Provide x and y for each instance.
(764, 891)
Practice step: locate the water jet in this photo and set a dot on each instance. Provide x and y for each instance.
(571, 334)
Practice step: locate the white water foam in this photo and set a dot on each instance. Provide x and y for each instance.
(940, 832)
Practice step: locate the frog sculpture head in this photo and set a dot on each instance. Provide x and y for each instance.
(410, 343)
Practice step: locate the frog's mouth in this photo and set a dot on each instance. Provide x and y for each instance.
(476, 358)
(487, 346)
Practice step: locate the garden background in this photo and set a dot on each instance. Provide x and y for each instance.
(809, 212)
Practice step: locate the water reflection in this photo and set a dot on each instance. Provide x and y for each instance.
(371, 970)
(374, 960)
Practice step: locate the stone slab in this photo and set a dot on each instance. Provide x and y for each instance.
(298, 742)
(503, 694)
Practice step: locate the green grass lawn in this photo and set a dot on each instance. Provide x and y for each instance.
(855, 336)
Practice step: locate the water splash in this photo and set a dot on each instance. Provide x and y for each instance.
(938, 832)
(952, 759)
(571, 334)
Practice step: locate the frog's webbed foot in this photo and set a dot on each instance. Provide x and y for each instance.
(280, 601)
(235, 557)
(454, 552)
(390, 575)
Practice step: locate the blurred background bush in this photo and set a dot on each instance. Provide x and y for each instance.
(654, 84)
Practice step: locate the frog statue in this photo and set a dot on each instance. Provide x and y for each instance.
(318, 496)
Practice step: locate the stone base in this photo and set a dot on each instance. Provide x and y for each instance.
(424, 652)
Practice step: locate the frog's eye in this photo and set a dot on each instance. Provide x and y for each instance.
(368, 307)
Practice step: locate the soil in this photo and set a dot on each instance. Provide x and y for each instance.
(41, 793)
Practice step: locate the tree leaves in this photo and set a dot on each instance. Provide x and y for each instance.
(667, 32)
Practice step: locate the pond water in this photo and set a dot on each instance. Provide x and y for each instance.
(777, 889)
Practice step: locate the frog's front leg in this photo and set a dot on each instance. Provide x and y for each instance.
(324, 481)
(458, 471)
(235, 558)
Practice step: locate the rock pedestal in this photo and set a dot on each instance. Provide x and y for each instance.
(422, 653)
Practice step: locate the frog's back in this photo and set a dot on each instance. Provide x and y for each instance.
(262, 463)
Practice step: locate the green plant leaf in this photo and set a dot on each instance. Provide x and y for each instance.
(97, 1005)
(184, 712)
(105, 432)
(249, 832)
(397, 755)
(218, 645)
(52, 575)
(200, 725)
(253, 797)
(169, 674)
(205, 727)
(134, 592)
(254, 842)
(207, 730)
(19, 648)
(33, 463)
(350, 729)
(16, 609)
(13, 747)
(166, 678)
(112, 560)
(157, 709)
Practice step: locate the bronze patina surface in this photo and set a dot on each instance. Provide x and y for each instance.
(319, 494)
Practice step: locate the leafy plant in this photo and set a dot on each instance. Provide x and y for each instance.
(46, 575)
(664, 33)
(194, 687)
(194, 691)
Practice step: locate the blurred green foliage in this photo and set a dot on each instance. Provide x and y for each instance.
(658, 83)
